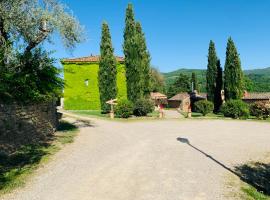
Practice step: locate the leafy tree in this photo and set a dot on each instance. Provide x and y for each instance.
(194, 81)
(107, 69)
(26, 71)
(219, 85)
(157, 83)
(233, 75)
(211, 73)
(181, 84)
(132, 57)
(144, 60)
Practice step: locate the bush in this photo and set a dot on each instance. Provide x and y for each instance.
(235, 109)
(204, 107)
(143, 106)
(259, 110)
(124, 108)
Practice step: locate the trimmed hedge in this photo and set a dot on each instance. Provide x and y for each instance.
(235, 109)
(204, 107)
(124, 108)
(143, 106)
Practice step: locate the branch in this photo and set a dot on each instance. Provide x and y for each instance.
(3, 33)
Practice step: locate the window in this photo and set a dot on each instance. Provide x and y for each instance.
(86, 82)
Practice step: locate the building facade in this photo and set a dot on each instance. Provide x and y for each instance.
(81, 82)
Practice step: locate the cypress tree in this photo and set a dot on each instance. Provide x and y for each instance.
(211, 73)
(233, 75)
(132, 57)
(144, 60)
(194, 81)
(107, 69)
(219, 85)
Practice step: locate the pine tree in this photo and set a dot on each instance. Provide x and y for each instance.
(194, 81)
(107, 69)
(144, 60)
(233, 75)
(132, 57)
(219, 85)
(211, 73)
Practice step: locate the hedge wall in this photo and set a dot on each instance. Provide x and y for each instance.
(79, 96)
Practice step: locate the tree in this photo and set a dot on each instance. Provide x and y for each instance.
(219, 85)
(181, 84)
(157, 83)
(132, 57)
(194, 81)
(107, 70)
(233, 75)
(211, 73)
(144, 60)
(26, 70)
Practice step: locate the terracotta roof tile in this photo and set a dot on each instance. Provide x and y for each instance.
(180, 97)
(89, 59)
(157, 95)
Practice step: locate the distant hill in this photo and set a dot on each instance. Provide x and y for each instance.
(260, 78)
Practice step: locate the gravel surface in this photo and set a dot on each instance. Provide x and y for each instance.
(143, 160)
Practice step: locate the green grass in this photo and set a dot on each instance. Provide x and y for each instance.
(250, 193)
(93, 113)
(16, 168)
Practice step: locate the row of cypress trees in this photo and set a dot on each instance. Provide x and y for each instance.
(232, 82)
(137, 62)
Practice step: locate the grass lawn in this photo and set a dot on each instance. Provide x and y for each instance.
(98, 114)
(16, 168)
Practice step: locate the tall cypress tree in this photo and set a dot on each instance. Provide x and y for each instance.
(233, 75)
(219, 85)
(132, 57)
(211, 73)
(107, 69)
(144, 60)
(194, 81)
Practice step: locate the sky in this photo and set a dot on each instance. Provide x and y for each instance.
(178, 31)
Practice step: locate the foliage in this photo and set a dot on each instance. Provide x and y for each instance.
(194, 81)
(143, 106)
(156, 81)
(26, 72)
(258, 79)
(181, 84)
(233, 75)
(79, 96)
(204, 107)
(144, 60)
(137, 58)
(259, 110)
(218, 88)
(211, 72)
(124, 108)
(107, 70)
(235, 109)
(38, 81)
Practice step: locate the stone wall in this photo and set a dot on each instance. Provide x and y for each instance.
(21, 125)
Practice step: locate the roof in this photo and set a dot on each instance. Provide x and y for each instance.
(179, 97)
(157, 95)
(89, 59)
(257, 96)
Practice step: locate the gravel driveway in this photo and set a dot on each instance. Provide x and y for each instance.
(143, 160)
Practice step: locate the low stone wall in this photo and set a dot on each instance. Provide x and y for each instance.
(21, 125)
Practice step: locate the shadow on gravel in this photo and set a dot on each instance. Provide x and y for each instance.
(256, 175)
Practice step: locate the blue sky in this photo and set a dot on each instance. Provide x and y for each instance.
(178, 31)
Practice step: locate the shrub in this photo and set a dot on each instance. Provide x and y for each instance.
(259, 110)
(143, 106)
(204, 107)
(124, 108)
(235, 109)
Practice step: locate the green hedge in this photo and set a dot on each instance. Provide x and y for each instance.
(78, 96)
